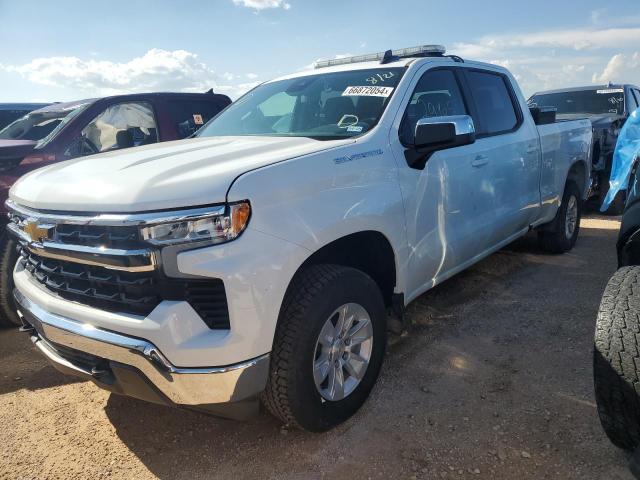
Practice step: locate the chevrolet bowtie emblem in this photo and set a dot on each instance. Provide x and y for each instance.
(37, 231)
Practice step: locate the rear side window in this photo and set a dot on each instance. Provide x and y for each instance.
(437, 94)
(189, 116)
(496, 112)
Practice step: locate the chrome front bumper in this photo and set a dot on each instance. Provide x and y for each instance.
(135, 367)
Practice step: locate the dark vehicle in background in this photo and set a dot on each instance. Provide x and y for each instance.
(64, 131)
(9, 112)
(608, 107)
(616, 362)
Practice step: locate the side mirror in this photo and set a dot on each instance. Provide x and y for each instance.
(440, 133)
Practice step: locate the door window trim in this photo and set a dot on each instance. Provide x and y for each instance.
(512, 95)
(470, 109)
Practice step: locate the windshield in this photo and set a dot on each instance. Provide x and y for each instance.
(324, 106)
(38, 125)
(610, 100)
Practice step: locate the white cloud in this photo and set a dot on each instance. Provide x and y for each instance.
(549, 59)
(622, 68)
(263, 4)
(156, 70)
(576, 39)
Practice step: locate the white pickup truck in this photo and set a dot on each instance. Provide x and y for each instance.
(264, 258)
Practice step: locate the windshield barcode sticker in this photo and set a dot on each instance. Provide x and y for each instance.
(367, 91)
(610, 90)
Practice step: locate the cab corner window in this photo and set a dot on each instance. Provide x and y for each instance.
(496, 111)
(189, 116)
(437, 94)
(123, 125)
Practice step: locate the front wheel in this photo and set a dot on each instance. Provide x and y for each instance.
(8, 259)
(561, 234)
(328, 347)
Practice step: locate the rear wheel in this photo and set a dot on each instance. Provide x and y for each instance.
(8, 259)
(328, 348)
(616, 358)
(561, 234)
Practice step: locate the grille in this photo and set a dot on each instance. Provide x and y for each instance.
(91, 235)
(127, 292)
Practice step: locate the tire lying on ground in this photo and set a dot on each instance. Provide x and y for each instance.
(8, 259)
(328, 348)
(561, 234)
(616, 358)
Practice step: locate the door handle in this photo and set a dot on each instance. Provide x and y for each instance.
(531, 149)
(480, 160)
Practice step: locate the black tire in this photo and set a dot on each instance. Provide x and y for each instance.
(317, 291)
(616, 359)
(553, 238)
(8, 259)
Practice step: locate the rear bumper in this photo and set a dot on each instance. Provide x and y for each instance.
(135, 367)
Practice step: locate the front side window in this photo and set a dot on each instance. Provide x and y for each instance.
(496, 111)
(323, 106)
(437, 94)
(119, 126)
(595, 102)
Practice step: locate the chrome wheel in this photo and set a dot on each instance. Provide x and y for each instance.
(571, 217)
(343, 351)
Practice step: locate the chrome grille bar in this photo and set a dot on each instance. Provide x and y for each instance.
(116, 219)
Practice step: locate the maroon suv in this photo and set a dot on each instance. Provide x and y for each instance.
(63, 131)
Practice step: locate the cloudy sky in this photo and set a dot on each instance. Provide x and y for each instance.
(64, 50)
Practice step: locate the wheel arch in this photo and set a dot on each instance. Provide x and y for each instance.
(369, 251)
(579, 173)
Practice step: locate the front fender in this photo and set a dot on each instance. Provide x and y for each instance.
(313, 200)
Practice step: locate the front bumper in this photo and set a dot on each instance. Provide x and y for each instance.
(135, 367)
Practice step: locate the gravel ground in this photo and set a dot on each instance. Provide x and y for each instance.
(494, 381)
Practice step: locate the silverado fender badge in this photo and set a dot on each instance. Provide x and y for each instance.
(357, 156)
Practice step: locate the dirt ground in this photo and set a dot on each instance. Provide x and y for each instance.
(493, 381)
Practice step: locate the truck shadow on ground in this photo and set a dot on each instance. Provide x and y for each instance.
(24, 367)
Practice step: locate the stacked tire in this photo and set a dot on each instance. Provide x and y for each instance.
(616, 359)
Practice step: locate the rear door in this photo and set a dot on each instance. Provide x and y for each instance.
(510, 142)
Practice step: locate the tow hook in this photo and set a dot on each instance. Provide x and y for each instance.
(25, 327)
(98, 372)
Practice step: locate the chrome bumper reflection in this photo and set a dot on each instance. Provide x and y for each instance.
(182, 386)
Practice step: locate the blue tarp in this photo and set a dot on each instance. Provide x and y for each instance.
(627, 150)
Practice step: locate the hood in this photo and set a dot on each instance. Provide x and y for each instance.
(177, 174)
(13, 149)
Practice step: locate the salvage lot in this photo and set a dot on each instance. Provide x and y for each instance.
(494, 381)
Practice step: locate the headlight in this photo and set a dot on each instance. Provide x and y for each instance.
(215, 227)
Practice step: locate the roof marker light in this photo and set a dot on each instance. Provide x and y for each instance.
(420, 51)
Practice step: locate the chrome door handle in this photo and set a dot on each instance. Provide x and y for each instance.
(480, 160)
(531, 149)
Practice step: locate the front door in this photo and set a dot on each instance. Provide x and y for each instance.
(450, 199)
